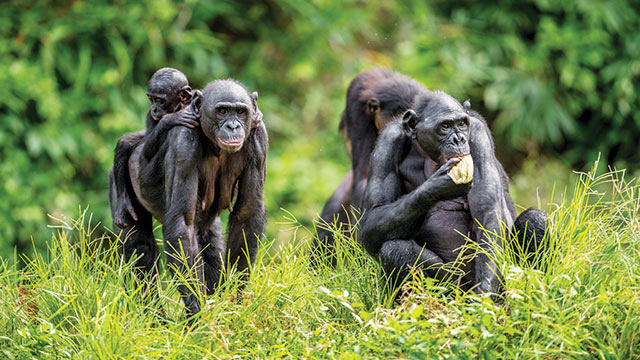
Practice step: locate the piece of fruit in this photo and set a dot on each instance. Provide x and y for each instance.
(462, 172)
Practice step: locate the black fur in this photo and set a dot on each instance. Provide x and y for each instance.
(415, 215)
(373, 98)
(194, 175)
(168, 91)
(529, 231)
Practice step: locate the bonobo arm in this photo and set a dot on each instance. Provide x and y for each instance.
(181, 192)
(248, 218)
(360, 161)
(156, 136)
(124, 148)
(488, 203)
(388, 214)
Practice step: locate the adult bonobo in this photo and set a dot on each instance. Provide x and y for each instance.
(373, 98)
(192, 178)
(168, 91)
(417, 215)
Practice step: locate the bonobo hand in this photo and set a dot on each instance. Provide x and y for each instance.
(182, 118)
(488, 285)
(124, 207)
(441, 186)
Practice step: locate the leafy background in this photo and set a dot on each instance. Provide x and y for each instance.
(557, 82)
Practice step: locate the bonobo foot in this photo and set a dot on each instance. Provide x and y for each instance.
(124, 212)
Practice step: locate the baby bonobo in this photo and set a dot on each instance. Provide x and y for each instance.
(168, 92)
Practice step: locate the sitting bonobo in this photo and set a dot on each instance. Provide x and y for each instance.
(374, 97)
(168, 92)
(431, 176)
(190, 178)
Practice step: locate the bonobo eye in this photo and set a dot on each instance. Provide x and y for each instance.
(240, 111)
(462, 123)
(160, 101)
(150, 99)
(444, 126)
(222, 111)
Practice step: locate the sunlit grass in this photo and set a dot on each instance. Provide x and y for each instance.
(78, 300)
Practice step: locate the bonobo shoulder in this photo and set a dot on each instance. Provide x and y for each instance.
(477, 123)
(183, 133)
(480, 138)
(184, 142)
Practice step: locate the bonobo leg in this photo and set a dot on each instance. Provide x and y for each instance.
(247, 220)
(122, 205)
(179, 228)
(212, 254)
(184, 258)
(528, 231)
(242, 252)
(244, 229)
(138, 239)
(398, 257)
(337, 210)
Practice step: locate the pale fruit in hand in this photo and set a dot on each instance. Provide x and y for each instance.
(462, 172)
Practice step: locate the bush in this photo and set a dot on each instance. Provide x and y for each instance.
(556, 77)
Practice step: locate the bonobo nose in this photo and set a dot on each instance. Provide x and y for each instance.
(459, 139)
(232, 125)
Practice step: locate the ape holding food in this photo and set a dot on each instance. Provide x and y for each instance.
(194, 175)
(432, 176)
(168, 91)
(373, 98)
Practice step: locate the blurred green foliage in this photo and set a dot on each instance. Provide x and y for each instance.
(557, 77)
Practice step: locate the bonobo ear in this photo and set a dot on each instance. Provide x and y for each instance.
(467, 106)
(185, 94)
(196, 103)
(409, 122)
(373, 105)
(257, 114)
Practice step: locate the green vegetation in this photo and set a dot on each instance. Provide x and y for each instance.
(554, 79)
(557, 81)
(72, 303)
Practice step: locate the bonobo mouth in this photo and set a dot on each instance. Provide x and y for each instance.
(231, 144)
(447, 158)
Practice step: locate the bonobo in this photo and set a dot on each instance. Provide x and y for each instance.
(194, 175)
(373, 98)
(416, 215)
(168, 91)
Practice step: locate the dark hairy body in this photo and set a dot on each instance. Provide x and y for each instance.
(168, 91)
(374, 97)
(415, 215)
(190, 178)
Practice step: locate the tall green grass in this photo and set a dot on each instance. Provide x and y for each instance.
(78, 301)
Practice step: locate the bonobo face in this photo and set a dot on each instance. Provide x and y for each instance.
(227, 114)
(168, 90)
(440, 125)
(163, 101)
